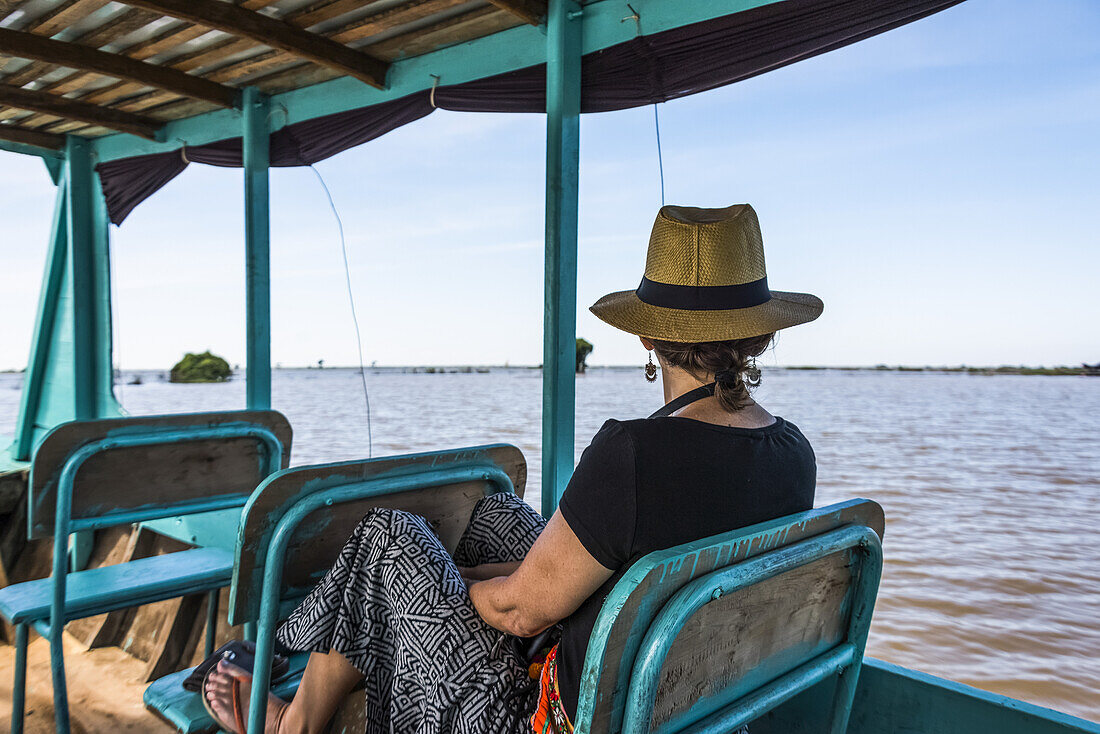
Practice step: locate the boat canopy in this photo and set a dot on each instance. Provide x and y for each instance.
(118, 97)
(342, 73)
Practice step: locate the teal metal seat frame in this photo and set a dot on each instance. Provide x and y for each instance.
(645, 677)
(751, 555)
(292, 514)
(65, 525)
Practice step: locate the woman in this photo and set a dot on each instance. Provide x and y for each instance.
(422, 631)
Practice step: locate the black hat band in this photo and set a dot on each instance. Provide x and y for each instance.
(704, 297)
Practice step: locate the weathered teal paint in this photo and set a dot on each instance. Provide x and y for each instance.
(498, 53)
(19, 682)
(337, 474)
(69, 373)
(65, 525)
(80, 550)
(890, 698)
(82, 225)
(743, 701)
(298, 509)
(217, 529)
(25, 149)
(609, 663)
(54, 166)
(563, 106)
(257, 234)
(31, 397)
(211, 622)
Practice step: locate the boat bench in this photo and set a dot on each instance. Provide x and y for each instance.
(296, 522)
(703, 637)
(90, 475)
(711, 635)
(132, 584)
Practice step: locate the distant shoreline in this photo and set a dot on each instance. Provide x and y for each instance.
(467, 369)
(1003, 370)
(1063, 371)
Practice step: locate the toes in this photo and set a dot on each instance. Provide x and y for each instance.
(228, 668)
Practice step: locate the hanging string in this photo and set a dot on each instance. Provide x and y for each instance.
(351, 301)
(660, 158)
(435, 85)
(637, 18)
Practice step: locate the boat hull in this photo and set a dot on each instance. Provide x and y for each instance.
(891, 699)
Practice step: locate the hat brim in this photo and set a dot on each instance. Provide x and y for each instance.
(624, 310)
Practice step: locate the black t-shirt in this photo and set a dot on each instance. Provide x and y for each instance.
(649, 484)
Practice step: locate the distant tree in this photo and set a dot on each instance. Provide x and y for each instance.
(205, 367)
(584, 348)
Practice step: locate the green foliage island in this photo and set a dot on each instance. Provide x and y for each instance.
(205, 367)
(584, 348)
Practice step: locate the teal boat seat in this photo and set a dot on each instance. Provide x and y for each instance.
(704, 637)
(296, 522)
(124, 585)
(711, 635)
(89, 475)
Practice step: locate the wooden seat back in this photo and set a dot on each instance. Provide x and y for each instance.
(702, 636)
(161, 477)
(317, 539)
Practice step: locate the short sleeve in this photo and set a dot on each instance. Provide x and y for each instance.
(600, 502)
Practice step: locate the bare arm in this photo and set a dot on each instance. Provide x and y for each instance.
(550, 584)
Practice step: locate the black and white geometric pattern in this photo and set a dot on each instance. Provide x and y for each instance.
(396, 607)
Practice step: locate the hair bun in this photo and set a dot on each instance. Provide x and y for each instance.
(727, 377)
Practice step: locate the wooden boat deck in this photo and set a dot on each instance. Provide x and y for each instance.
(105, 687)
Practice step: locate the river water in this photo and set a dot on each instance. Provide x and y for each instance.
(991, 486)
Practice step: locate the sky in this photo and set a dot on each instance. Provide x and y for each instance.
(938, 186)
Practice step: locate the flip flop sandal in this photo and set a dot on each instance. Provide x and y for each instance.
(242, 654)
(238, 715)
(239, 718)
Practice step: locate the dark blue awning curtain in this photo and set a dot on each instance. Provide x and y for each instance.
(648, 69)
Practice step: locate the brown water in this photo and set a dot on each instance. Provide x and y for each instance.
(991, 486)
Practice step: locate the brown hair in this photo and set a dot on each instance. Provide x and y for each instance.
(727, 363)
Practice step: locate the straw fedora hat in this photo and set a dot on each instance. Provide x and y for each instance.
(705, 281)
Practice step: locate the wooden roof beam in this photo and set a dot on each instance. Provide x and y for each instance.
(60, 17)
(26, 136)
(391, 17)
(75, 56)
(531, 11)
(51, 104)
(275, 33)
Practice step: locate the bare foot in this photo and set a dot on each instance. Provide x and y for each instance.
(219, 694)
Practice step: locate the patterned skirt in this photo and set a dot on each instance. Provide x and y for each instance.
(396, 607)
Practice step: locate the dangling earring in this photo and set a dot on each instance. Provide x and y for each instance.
(651, 370)
(752, 372)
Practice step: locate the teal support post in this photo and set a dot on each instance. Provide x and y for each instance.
(257, 233)
(211, 622)
(69, 372)
(82, 258)
(31, 398)
(563, 106)
(19, 682)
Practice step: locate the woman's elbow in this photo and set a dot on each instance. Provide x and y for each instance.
(526, 623)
